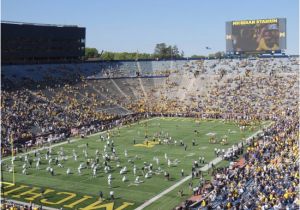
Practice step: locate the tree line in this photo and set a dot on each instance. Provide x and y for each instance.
(161, 51)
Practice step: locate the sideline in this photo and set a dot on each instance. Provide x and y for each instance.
(155, 198)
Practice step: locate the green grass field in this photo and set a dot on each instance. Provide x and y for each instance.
(76, 191)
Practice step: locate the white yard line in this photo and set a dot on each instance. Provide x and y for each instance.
(204, 168)
(72, 140)
(152, 200)
(155, 198)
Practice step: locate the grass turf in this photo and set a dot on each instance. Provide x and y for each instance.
(178, 129)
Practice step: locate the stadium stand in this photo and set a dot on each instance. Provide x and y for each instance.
(268, 179)
(88, 97)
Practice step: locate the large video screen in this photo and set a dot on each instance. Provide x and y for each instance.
(256, 35)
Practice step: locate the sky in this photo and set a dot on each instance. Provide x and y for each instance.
(138, 25)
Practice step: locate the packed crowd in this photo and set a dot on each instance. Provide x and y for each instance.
(27, 115)
(260, 91)
(75, 102)
(10, 205)
(269, 179)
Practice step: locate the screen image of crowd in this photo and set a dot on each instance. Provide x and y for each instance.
(52, 102)
(258, 37)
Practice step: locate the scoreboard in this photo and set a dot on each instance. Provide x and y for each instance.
(256, 36)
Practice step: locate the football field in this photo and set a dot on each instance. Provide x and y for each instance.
(162, 151)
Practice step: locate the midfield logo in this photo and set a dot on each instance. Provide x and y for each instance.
(148, 144)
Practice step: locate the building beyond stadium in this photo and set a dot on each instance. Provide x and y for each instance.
(41, 43)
